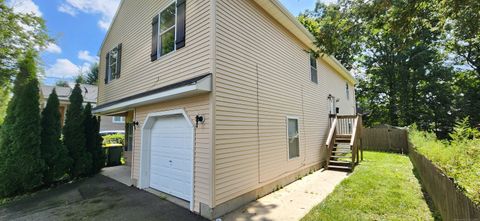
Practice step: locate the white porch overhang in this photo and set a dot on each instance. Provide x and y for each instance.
(188, 88)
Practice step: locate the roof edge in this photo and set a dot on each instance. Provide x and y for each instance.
(302, 34)
(109, 28)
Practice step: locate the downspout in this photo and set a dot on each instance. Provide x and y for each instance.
(213, 45)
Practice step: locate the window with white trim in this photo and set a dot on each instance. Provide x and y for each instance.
(313, 69)
(118, 119)
(113, 64)
(166, 32)
(293, 138)
(347, 90)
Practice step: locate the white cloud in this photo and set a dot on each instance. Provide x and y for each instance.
(105, 8)
(53, 48)
(25, 7)
(328, 2)
(85, 56)
(67, 9)
(64, 68)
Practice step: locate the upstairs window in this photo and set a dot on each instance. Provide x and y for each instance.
(168, 29)
(347, 90)
(166, 35)
(113, 64)
(313, 69)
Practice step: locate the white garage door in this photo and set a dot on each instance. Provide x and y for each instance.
(171, 156)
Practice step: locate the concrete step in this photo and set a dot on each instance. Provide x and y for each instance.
(342, 168)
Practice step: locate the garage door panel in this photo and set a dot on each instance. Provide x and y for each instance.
(171, 156)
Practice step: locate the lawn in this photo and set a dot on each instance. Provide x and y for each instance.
(382, 187)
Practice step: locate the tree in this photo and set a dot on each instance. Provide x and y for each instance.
(93, 140)
(21, 165)
(16, 39)
(62, 83)
(4, 99)
(80, 79)
(393, 46)
(54, 153)
(74, 135)
(462, 30)
(335, 30)
(92, 76)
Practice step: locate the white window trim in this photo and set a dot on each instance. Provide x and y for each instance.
(287, 139)
(159, 34)
(120, 121)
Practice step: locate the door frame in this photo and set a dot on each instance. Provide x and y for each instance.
(145, 148)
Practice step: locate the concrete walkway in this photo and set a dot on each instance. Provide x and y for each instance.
(292, 202)
(121, 174)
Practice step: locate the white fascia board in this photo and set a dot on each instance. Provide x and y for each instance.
(202, 86)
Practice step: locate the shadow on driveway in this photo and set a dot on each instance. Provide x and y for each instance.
(96, 198)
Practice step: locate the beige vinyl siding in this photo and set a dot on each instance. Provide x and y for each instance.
(132, 27)
(251, 143)
(197, 105)
(336, 87)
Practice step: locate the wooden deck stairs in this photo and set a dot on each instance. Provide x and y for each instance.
(344, 142)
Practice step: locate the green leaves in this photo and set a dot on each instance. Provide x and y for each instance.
(401, 52)
(74, 135)
(21, 164)
(16, 39)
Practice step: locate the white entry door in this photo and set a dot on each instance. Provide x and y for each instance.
(172, 156)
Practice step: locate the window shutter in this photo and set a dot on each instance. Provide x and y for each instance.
(119, 60)
(181, 12)
(154, 38)
(106, 67)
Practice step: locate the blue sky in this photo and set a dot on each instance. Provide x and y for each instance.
(79, 26)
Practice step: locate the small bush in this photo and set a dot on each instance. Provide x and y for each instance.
(114, 139)
(458, 158)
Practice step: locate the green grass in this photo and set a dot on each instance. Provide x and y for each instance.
(382, 187)
(458, 159)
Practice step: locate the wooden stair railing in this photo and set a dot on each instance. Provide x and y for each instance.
(344, 138)
(331, 139)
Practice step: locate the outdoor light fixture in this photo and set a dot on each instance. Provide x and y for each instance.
(135, 124)
(199, 119)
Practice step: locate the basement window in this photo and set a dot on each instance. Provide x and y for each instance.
(293, 138)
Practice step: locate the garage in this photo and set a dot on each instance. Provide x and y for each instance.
(168, 152)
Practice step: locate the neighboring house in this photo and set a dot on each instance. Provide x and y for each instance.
(89, 93)
(224, 101)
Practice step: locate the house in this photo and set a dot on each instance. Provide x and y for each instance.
(89, 93)
(224, 101)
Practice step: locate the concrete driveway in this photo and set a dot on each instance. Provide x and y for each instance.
(96, 198)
